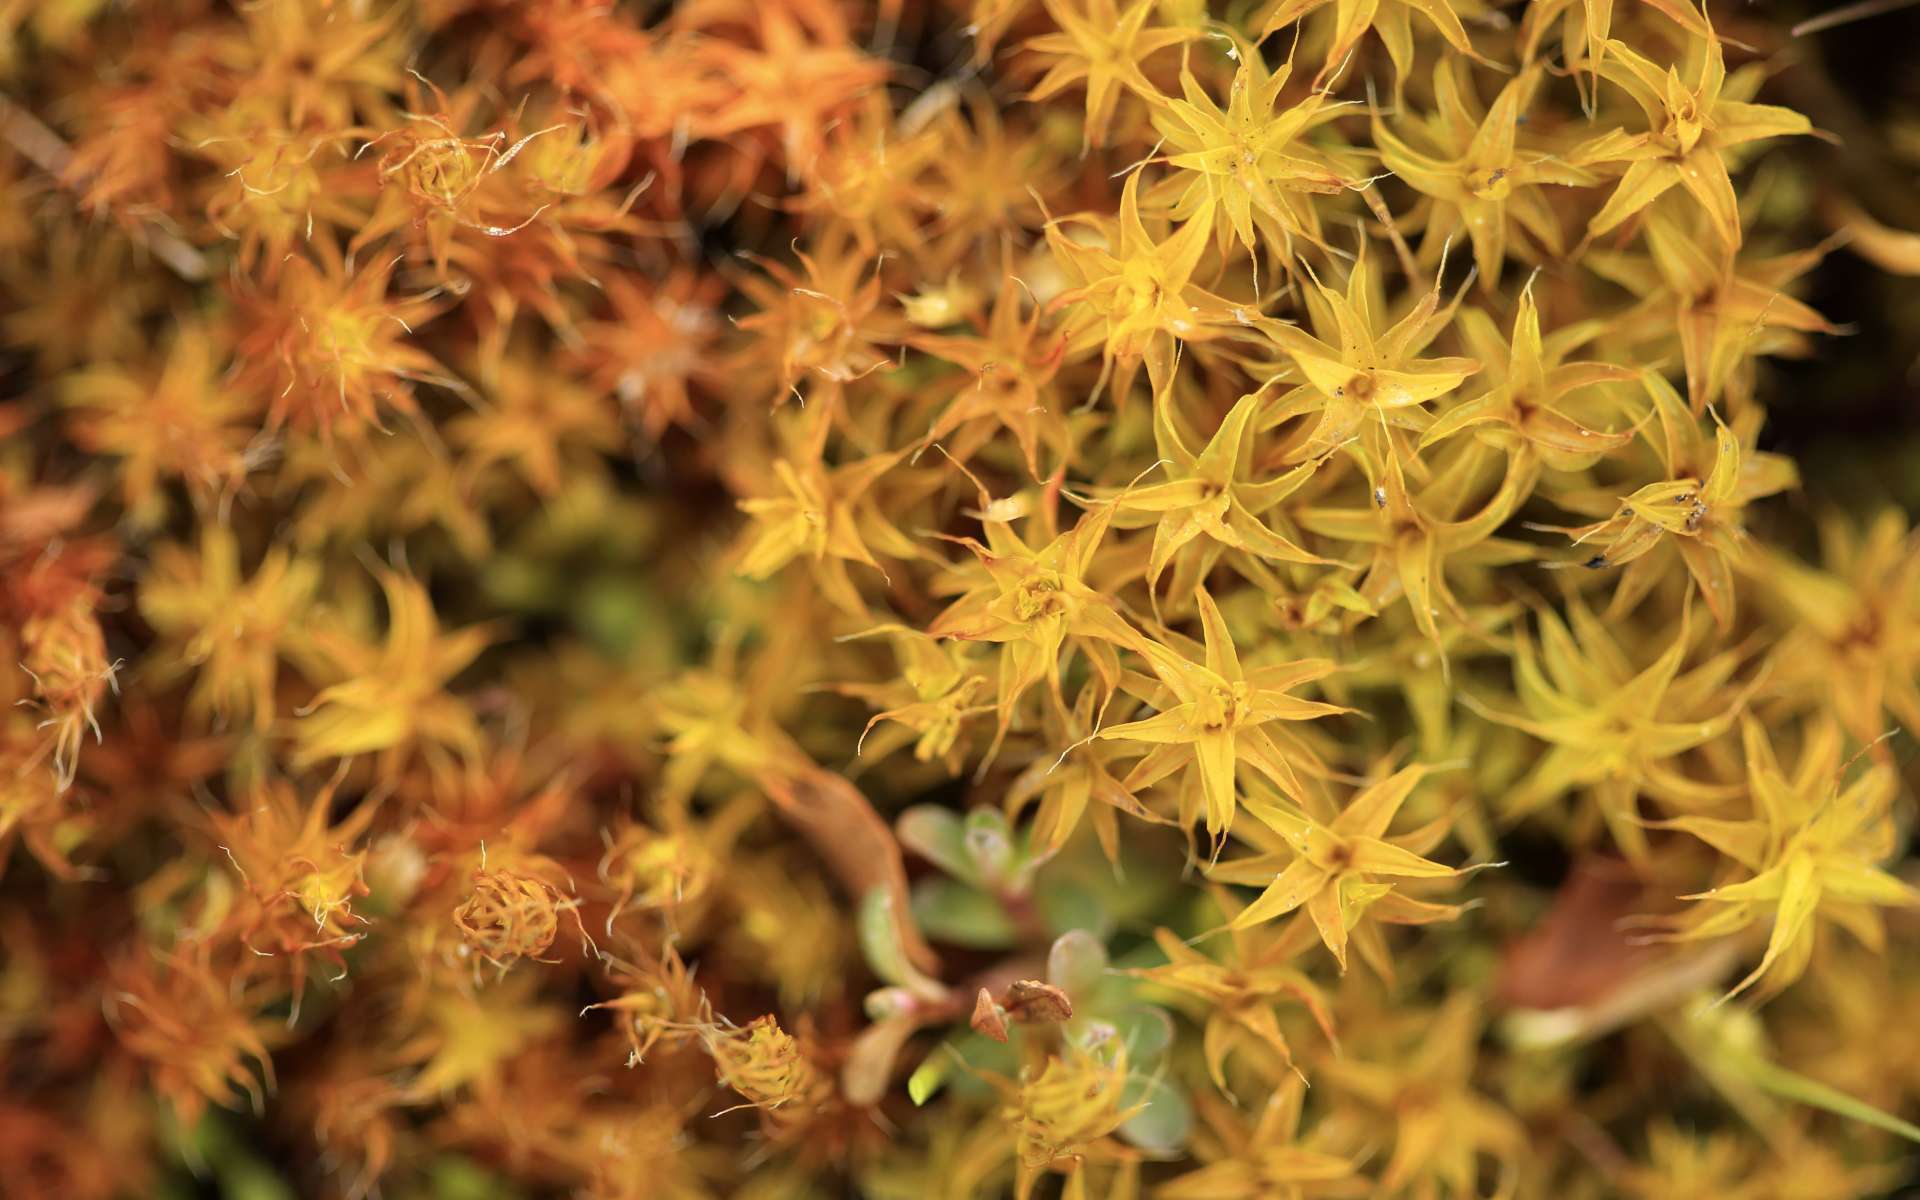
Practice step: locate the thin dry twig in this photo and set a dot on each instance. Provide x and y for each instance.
(44, 148)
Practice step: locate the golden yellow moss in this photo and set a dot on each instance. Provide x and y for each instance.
(956, 598)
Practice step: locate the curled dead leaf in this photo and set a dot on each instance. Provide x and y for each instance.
(987, 1019)
(856, 843)
(1029, 1001)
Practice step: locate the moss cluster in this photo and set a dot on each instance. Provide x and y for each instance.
(943, 599)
